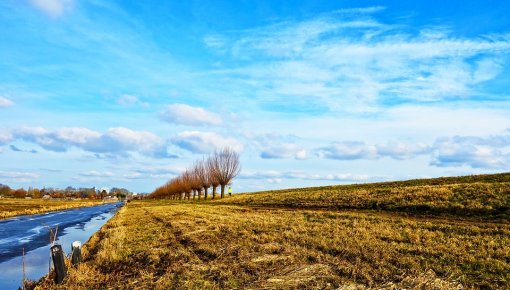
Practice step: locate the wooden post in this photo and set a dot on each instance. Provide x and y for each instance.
(24, 273)
(76, 253)
(57, 255)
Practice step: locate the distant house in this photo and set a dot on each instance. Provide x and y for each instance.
(111, 198)
(46, 196)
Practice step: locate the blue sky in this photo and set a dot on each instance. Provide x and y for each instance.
(130, 93)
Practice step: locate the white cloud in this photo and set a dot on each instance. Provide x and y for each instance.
(350, 61)
(114, 141)
(276, 146)
(278, 176)
(300, 154)
(154, 172)
(4, 102)
(129, 140)
(160, 170)
(348, 150)
(360, 10)
(486, 69)
(42, 137)
(491, 152)
(129, 100)
(53, 8)
(5, 137)
(205, 142)
(353, 150)
(400, 150)
(188, 115)
(94, 173)
(476, 152)
(214, 41)
(76, 135)
(134, 175)
(283, 151)
(17, 177)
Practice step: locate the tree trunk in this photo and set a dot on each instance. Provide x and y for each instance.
(194, 194)
(205, 193)
(199, 194)
(214, 191)
(222, 191)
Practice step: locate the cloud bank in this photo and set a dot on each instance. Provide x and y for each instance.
(352, 150)
(18, 177)
(351, 61)
(274, 176)
(476, 152)
(492, 152)
(117, 141)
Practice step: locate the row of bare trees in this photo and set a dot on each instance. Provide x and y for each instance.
(216, 170)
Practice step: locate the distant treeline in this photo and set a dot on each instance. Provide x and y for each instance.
(68, 192)
(217, 170)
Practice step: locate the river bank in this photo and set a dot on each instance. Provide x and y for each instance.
(30, 234)
(209, 245)
(11, 207)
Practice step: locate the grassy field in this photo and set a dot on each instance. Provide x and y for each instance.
(482, 196)
(10, 207)
(255, 241)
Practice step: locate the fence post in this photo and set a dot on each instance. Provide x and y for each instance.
(76, 253)
(57, 255)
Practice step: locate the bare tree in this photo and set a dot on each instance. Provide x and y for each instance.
(213, 176)
(187, 180)
(196, 183)
(203, 176)
(226, 166)
(178, 187)
(217, 170)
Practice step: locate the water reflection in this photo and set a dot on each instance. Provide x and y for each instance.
(30, 233)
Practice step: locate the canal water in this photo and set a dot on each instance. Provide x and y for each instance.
(31, 233)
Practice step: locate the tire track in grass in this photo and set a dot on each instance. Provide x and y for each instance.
(194, 257)
(184, 242)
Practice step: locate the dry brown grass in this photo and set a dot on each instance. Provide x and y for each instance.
(171, 245)
(482, 199)
(10, 207)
